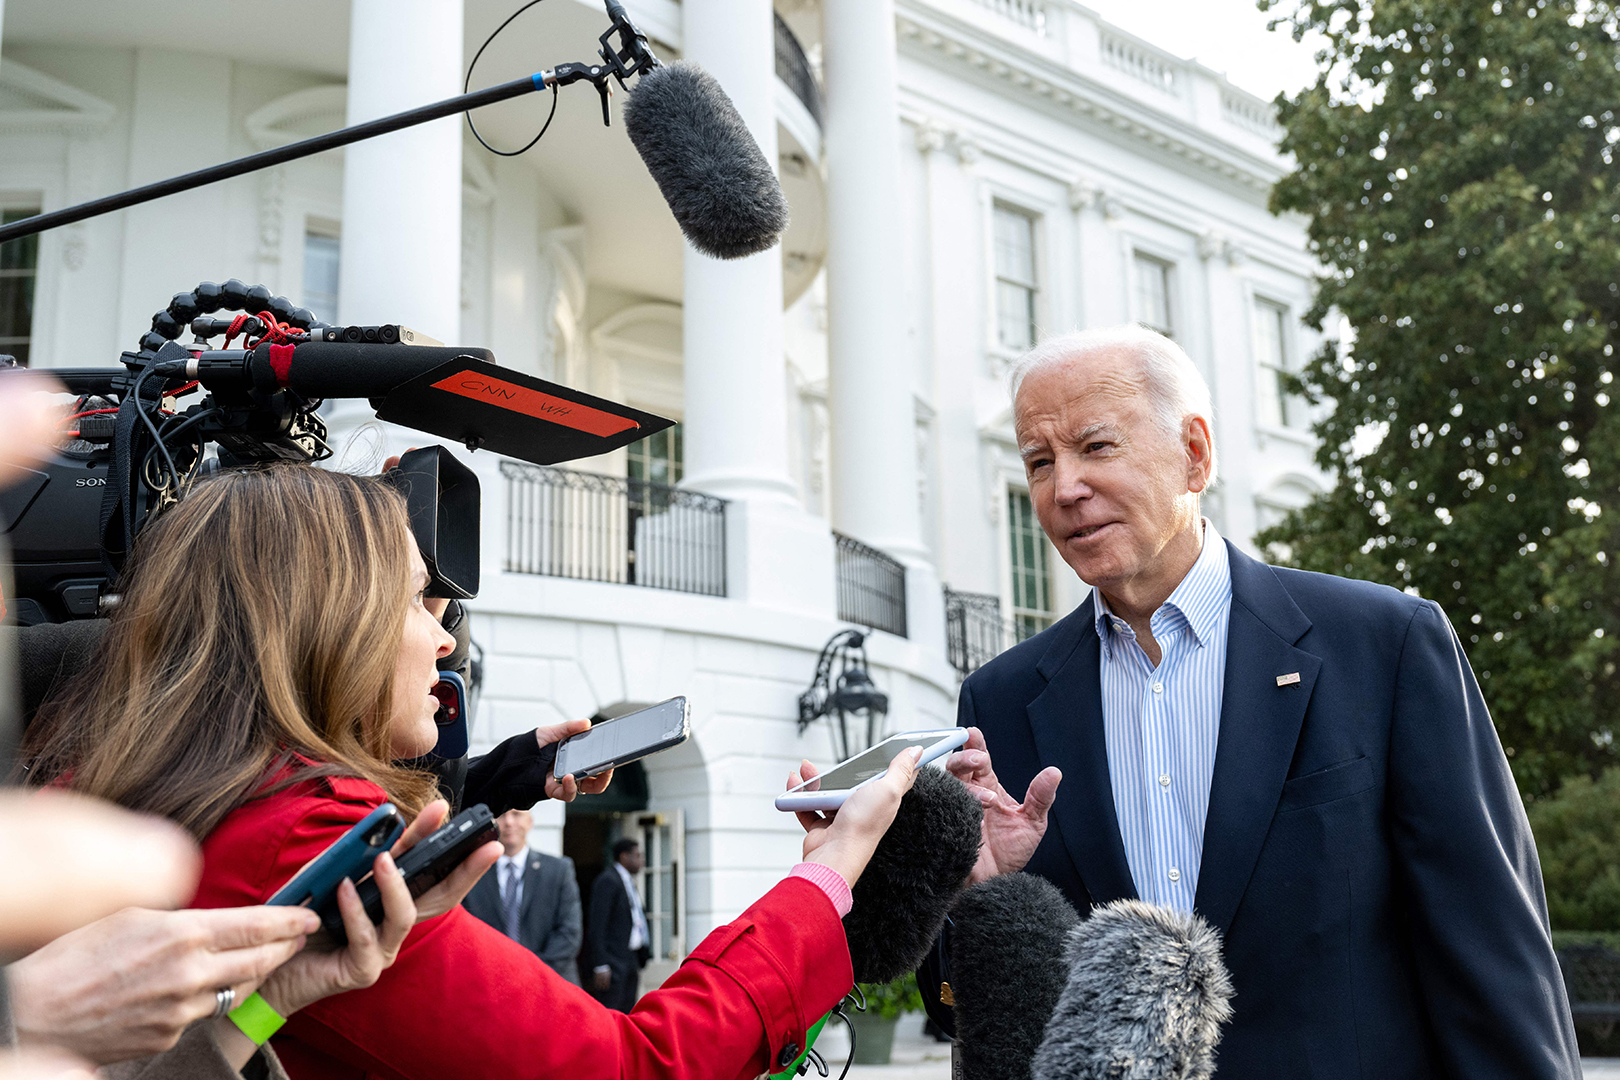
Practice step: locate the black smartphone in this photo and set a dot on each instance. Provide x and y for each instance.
(349, 857)
(424, 865)
(629, 738)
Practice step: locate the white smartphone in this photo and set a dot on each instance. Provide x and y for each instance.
(829, 790)
(616, 742)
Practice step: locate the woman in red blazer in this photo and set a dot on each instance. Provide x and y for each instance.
(272, 657)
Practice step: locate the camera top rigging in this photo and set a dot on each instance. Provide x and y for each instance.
(144, 430)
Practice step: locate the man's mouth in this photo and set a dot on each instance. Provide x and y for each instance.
(1087, 531)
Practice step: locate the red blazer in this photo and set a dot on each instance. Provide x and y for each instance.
(462, 1000)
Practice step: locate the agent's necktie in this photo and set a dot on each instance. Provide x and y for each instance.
(509, 900)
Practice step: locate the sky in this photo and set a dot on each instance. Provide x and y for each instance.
(1226, 35)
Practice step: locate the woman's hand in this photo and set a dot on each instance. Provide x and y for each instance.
(316, 973)
(845, 839)
(449, 892)
(126, 986)
(566, 789)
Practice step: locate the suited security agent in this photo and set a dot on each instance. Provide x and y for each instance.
(532, 898)
(619, 939)
(1304, 760)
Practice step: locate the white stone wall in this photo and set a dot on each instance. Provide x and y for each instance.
(1112, 145)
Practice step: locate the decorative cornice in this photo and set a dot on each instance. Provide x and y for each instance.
(64, 109)
(944, 40)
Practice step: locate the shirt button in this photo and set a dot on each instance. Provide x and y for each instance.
(1164, 780)
(1158, 688)
(1175, 875)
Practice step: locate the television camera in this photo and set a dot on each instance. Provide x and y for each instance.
(136, 446)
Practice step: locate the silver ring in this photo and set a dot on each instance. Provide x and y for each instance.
(224, 998)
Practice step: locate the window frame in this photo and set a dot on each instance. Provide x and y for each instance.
(1032, 287)
(327, 228)
(32, 204)
(1170, 269)
(1266, 372)
(1016, 615)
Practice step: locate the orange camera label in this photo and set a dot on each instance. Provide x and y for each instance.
(498, 392)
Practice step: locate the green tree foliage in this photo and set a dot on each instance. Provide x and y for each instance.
(1578, 837)
(1456, 163)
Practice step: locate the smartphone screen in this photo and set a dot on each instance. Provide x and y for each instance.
(869, 763)
(625, 739)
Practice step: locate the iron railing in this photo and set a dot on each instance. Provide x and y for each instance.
(793, 68)
(562, 523)
(871, 586)
(975, 632)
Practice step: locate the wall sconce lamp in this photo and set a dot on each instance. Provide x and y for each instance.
(851, 693)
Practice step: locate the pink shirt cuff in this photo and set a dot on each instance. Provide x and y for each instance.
(828, 881)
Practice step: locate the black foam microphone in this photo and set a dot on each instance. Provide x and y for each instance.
(722, 191)
(919, 867)
(1007, 938)
(1146, 996)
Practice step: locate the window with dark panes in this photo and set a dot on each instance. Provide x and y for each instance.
(19, 265)
(1031, 570)
(657, 458)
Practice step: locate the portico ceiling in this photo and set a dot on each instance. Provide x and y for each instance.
(592, 171)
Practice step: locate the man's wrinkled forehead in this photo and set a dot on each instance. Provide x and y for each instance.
(1101, 385)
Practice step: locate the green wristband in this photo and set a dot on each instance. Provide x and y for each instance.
(256, 1019)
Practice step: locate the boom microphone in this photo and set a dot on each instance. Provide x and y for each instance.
(1146, 996)
(906, 890)
(1005, 977)
(722, 191)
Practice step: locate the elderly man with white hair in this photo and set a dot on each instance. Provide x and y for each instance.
(1303, 760)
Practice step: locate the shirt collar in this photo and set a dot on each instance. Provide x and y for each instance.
(1198, 600)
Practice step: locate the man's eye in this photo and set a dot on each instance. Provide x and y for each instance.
(1093, 447)
(1036, 464)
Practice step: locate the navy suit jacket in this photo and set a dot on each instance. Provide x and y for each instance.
(550, 924)
(1366, 853)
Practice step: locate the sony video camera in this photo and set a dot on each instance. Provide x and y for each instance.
(72, 523)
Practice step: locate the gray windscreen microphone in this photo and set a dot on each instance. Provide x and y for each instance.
(718, 184)
(1146, 996)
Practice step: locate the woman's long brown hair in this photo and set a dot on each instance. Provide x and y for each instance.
(260, 618)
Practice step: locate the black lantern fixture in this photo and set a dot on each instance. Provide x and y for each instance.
(849, 693)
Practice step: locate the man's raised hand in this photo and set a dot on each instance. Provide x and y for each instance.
(1012, 829)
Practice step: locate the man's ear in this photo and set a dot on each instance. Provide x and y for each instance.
(1199, 444)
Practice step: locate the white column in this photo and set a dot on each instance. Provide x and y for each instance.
(736, 405)
(870, 378)
(735, 416)
(401, 247)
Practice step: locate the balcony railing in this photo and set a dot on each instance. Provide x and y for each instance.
(871, 587)
(569, 524)
(793, 68)
(975, 632)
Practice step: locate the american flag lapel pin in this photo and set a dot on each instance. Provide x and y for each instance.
(1290, 679)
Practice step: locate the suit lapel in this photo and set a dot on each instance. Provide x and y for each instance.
(1067, 720)
(531, 885)
(1260, 725)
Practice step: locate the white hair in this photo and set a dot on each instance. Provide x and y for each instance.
(1176, 389)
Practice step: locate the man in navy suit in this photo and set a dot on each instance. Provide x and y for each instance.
(1304, 760)
(532, 898)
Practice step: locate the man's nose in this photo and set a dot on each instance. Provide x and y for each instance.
(1069, 484)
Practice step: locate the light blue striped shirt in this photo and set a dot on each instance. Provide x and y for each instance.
(1161, 725)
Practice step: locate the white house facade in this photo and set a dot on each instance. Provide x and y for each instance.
(966, 178)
